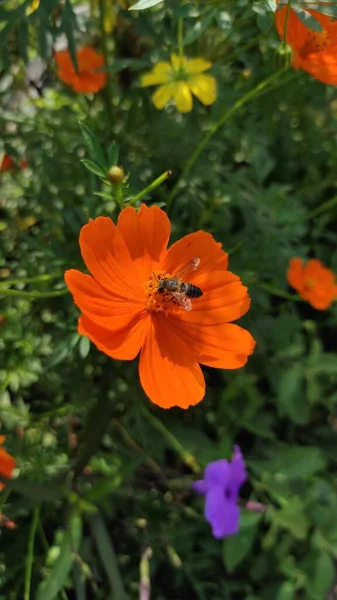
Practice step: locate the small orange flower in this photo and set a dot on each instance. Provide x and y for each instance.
(7, 462)
(126, 308)
(90, 78)
(313, 281)
(7, 164)
(314, 51)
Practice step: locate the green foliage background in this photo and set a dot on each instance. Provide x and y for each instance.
(265, 186)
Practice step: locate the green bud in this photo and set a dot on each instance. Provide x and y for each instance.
(116, 175)
(284, 55)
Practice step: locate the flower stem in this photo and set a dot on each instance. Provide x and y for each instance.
(152, 186)
(320, 209)
(38, 279)
(35, 295)
(180, 40)
(185, 455)
(223, 119)
(286, 22)
(107, 93)
(30, 552)
(280, 293)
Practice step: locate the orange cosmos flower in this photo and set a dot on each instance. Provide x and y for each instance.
(7, 462)
(313, 281)
(7, 163)
(314, 51)
(89, 78)
(127, 308)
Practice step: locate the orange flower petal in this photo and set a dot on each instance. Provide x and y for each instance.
(295, 273)
(122, 344)
(296, 30)
(7, 164)
(104, 308)
(195, 245)
(225, 346)
(2, 439)
(108, 260)
(168, 369)
(146, 234)
(7, 464)
(226, 302)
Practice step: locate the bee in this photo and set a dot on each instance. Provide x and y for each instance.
(182, 291)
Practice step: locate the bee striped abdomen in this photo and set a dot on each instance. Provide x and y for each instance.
(192, 291)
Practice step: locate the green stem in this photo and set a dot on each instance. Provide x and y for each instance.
(30, 552)
(180, 40)
(286, 22)
(152, 186)
(184, 454)
(107, 93)
(280, 293)
(40, 278)
(223, 119)
(320, 209)
(35, 295)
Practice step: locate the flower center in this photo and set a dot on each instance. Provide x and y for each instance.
(309, 283)
(315, 42)
(159, 301)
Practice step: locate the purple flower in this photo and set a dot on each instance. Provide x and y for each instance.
(221, 485)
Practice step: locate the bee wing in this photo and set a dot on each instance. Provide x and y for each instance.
(182, 300)
(191, 266)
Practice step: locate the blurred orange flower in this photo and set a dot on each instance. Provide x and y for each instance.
(313, 51)
(89, 78)
(126, 307)
(7, 462)
(313, 281)
(7, 163)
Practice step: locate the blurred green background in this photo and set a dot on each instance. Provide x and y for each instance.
(265, 186)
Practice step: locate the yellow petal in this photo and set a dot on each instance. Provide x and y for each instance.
(183, 97)
(161, 73)
(178, 62)
(204, 88)
(163, 95)
(197, 65)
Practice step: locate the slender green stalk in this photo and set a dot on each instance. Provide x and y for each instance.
(40, 278)
(152, 186)
(320, 209)
(108, 555)
(184, 454)
(223, 119)
(35, 295)
(30, 551)
(280, 293)
(180, 40)
(107, 93)
(286, 22)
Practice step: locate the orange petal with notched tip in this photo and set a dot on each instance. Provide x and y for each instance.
(168, 370)
(225, 346)
(106, 256)
(122, 344)
(146, 235)
(99, 305)
(200, 245)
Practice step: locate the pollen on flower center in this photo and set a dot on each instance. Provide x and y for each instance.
(315, 42)
(159, 301)
(309, 283)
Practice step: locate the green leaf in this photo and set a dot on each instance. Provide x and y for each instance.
(236, 547)
(143, 4)
(291, 395)
(113, 154)
(95, 149)
(307, 19)
(292, 518)
(324, 7)
(84, 346)
(91, 166)
(199, 28)
(324, 573)
(68, 25)
(37, 491)
(108, 556)
(287, 591)
(49, 588)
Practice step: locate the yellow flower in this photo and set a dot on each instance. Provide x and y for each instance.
(179, 79)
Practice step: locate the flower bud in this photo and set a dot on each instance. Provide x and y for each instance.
(284, 55)
(116, 175)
